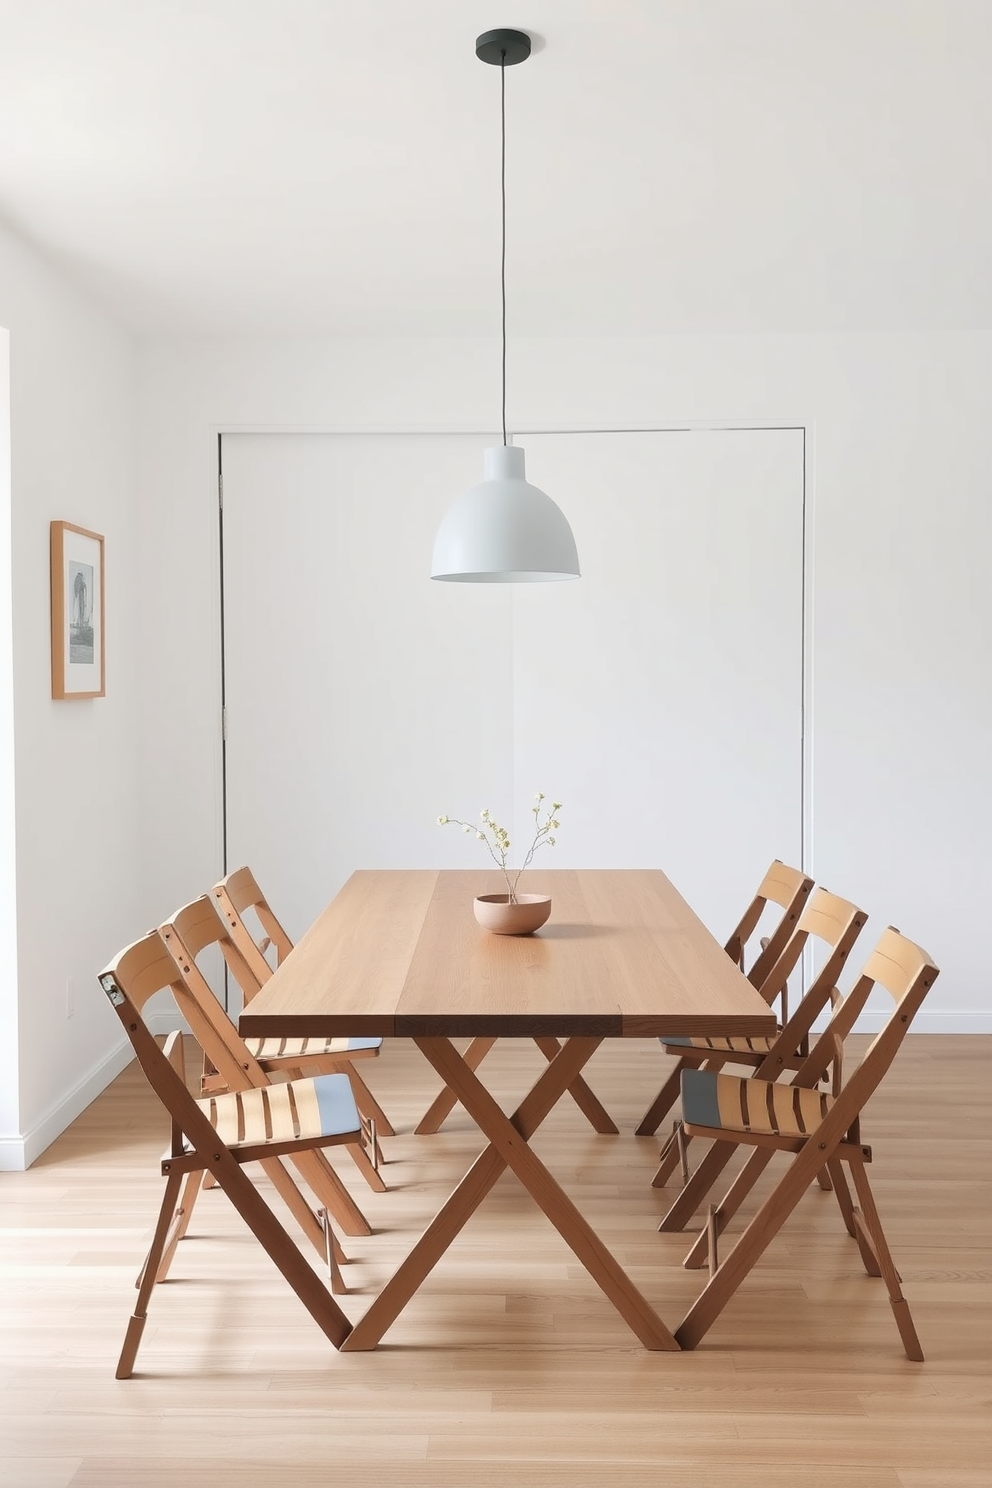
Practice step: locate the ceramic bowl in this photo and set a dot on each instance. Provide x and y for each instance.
(522, 918)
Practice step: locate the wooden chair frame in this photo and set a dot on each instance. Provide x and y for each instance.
(233, 896)
(837, 923)
(788, 887)
(907, 973)
(196, 1149)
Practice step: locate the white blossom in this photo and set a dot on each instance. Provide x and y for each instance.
(497, 838)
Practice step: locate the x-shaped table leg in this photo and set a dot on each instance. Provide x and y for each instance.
(509, 1138)
(587, 1101)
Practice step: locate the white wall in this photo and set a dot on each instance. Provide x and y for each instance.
(8, 864)
(901, 807)
(79, 883)
(604, 692)
(899, 510)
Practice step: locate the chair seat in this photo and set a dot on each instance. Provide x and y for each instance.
(295, 1111)
(760, 1044)
(736, 1103)
(287, 1048)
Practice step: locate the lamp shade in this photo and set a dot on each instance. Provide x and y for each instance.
(504, 531)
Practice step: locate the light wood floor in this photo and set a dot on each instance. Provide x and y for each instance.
(509, 1367)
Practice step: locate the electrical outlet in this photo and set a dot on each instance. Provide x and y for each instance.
(70, 997)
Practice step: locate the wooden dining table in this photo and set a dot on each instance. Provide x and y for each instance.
(398, 953)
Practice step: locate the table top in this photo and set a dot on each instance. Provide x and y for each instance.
(398, 952)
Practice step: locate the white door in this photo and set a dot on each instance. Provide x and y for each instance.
(659, 697)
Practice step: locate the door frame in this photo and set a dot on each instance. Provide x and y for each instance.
(803, 426)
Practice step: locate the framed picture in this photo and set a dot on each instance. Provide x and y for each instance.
(77, 612)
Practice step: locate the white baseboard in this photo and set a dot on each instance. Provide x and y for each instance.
(19, 1152)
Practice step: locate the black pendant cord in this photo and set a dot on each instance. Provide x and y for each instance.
(502, 183)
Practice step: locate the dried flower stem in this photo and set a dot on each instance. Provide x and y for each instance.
(497, 839)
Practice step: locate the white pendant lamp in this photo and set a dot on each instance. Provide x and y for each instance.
(504, 531)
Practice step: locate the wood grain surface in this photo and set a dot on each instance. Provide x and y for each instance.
(398, 952)
(510, 1369)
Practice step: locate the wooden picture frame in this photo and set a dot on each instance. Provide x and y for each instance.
(78, 629)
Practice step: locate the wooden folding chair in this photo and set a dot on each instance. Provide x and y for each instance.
(836, 923)
(187, 934)
(218, 1135)
(821, 1131)
(781, 885)
(237, 895)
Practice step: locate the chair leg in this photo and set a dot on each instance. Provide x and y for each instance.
(149, 1276)
(868, 1215)
(701, 1181)
(712, 1232)
(311, 1223)
(728, 1206)
(758, 1234)
(672, 1155)
(372, 1143)
(682, 1146)
(178, 1227)
(845, 1203)
(266, 1228)
(295, 1202)
(366, 1101)
(333, 1254)
(366, 1167)
(181, 1219)
(661, 1105)
(331, 1192)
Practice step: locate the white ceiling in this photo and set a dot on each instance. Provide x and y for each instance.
(314, 166)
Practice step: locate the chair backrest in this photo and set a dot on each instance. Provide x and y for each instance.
(135, 975)
(837, 923)
(907, 973)
(788, 887)
(189, 931)
(236, 895)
